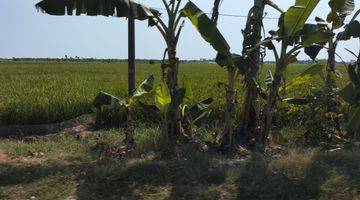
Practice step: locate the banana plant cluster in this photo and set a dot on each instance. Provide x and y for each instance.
(192, 113)
(117, 110)
(170, 66)
(157, 101)
(335, 20)
(292, 33)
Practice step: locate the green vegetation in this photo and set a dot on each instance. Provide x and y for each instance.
(293, 35)
(46, 92)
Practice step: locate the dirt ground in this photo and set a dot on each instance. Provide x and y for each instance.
(3, 156)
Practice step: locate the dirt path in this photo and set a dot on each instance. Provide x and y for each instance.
(4, 157)
(79, 124)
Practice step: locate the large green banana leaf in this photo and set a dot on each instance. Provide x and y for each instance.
(354, 121)
(305, 77)
(315, 34)
(339, 10)
(313, 51)
(116, 8)
(164, 101)
(104, 98)
(351, 92)
(353, 30)
(144, 88)
(342, 6)
(207, 29)
(296, 16)
(162, 98)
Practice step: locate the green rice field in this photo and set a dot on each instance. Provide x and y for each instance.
(36, 92)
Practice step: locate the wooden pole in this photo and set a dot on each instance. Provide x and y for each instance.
(131, 56)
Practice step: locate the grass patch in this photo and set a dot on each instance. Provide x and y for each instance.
(63, 144)
(71, 167)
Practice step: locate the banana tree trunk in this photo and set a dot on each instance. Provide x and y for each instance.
(173, 69)
(173, 123)
(332, 99)
(270, 107)
(252, 36)
(272, 99)
(228, 129)
(130, 129)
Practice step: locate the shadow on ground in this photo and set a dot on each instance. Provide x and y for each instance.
(106, 178)
(311, 175)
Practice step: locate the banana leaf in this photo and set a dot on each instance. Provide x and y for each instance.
(145, 87)
(354, 122)
(115, 8)
(104, 98)
(339, 10)
(295, 17)
(208, 30)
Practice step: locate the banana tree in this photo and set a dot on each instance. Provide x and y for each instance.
(340, 9)
(234, 64)
(249, 126)
(117, 8)
(252, 36)
(291, 28)
(212, 35)
(170, 67)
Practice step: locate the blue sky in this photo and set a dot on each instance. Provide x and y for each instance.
(27, 33)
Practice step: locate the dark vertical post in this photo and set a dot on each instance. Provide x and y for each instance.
(131, 55)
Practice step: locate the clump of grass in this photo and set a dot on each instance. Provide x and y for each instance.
(63, 143)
